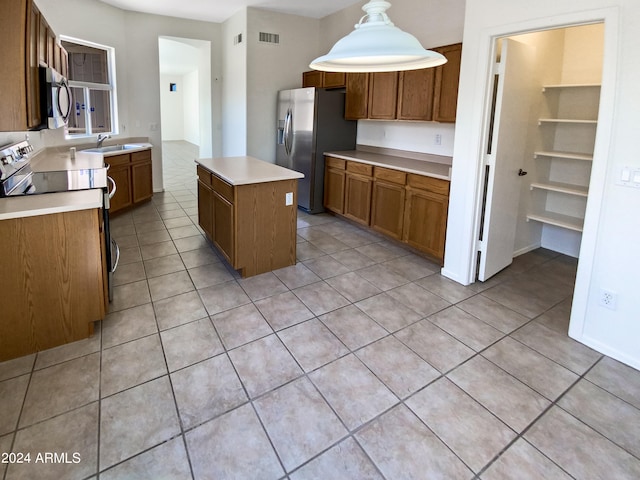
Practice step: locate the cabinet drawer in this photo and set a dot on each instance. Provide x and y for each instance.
(431, 184)
(361, 168)
(333, 162)
(144, 155)
(204, 176)
(118, 159)
(393, 176)
(223, 188)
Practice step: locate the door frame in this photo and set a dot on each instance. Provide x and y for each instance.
(467, 181)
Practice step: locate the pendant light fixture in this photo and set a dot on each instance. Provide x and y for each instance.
(376, 45)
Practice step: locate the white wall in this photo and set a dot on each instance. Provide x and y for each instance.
(191, 108)
(434, 23)
(609, 255)
(234, 86)
(271, 68)
(172, 115)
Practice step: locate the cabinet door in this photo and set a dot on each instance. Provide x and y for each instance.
(383, 95)
(334, 80)
(312, 78)
(43, 27)
(425, 222)
(223, 225)
(334, 190)
(445, 99)
(415, 94)
(205, 209)
(142, 181)
(357, 199)
(357, 96)
(387, 208)
(33, 79)
(121, 174)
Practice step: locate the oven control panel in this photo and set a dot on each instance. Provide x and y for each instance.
(13, 158)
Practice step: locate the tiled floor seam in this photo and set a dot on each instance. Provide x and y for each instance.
(521, 435)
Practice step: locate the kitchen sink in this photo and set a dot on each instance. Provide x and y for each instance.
(114, 148)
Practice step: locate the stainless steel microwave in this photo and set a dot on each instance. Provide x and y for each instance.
(55, 98)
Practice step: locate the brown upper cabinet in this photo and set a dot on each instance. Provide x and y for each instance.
(356, 103)
(445, 98)
(383, 95)
(427, 94)
(27, 43)
(318, 79)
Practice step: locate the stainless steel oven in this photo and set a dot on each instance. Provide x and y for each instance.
(111, 246)
(18, 179)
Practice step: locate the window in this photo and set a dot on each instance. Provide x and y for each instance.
(92, 82)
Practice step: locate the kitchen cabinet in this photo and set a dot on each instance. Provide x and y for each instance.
(215, 211)
(447, 79)
(388, 198)
(253, 223)
(55, 283)
(356, 102)
(334, 184)
(318, 79)
(357, 196)
(27, 43)
(415, 97)
(133, 174)
(405, 206)
(429, 94)
(383, 95)
(425, 218)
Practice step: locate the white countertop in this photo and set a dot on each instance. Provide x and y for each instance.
(432, 166)
(33, 205)
(247, 170)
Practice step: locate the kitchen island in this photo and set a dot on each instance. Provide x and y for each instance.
(248, 209)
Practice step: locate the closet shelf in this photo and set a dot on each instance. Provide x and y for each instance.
(567, 188)
(571, 85)
(569, 155)
(567, 120)
(557, 219)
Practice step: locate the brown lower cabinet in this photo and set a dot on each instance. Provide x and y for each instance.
(407, 207)
(55, 288)
(133, 174)
(248, 224)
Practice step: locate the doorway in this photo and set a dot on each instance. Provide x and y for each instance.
(540, 140)
(185, 102)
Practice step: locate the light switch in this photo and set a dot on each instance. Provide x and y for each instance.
(288, 199)
(625, 176)
(636, 177)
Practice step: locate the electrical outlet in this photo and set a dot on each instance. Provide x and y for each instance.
(288, 199)
(608, 299)
(438, 139)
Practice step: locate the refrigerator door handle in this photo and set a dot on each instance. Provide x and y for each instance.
(287, 132)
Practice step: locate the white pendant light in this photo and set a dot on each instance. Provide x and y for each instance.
(376, 45)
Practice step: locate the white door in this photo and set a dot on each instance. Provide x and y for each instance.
(506, 140)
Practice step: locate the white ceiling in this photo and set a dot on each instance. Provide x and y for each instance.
(220, 10)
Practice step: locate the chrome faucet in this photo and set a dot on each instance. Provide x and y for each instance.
(102, 138)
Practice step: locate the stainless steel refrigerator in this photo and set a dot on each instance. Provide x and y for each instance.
(311, 122)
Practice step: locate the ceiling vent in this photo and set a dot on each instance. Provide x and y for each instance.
(272, 38)
(237, 39)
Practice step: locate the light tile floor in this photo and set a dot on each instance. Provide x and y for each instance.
(359, 362)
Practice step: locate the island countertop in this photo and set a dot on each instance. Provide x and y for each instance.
(247, 170)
